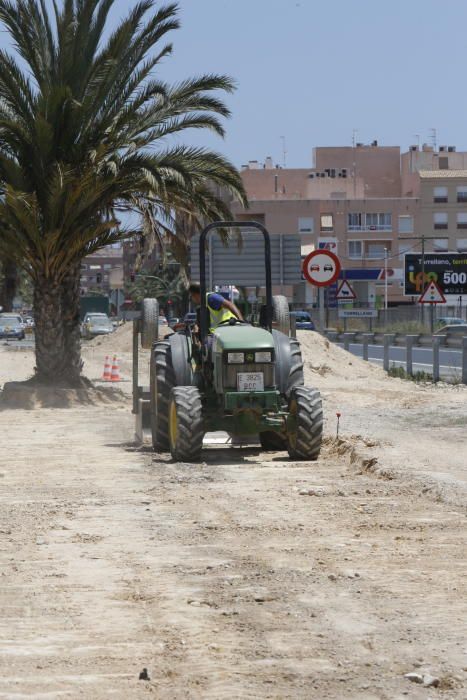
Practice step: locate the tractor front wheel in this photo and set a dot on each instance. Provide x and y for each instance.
(306, 407)
(186, 429)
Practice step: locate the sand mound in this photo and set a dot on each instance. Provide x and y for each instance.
(323, 358)
(121, 340)
(29, 395)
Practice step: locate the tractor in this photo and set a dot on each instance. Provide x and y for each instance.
(244, 379)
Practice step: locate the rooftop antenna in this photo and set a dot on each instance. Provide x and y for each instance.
(354, 163)
(284, 152)
(417, 136)
(354, 137)
(433, 138)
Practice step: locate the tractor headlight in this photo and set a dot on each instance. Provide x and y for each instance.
(263, 357)
(235, 358)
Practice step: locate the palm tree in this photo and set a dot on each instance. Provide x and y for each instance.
(84, 123)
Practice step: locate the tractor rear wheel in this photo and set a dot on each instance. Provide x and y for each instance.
(186, 425)
(280, 314)
(305, 442)
(149, 323)
(272, 442)
(162, 380)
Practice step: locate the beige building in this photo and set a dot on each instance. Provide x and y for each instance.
(350, 203)
(443, 209)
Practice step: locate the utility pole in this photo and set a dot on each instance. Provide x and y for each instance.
(422, 239)
(385, 287)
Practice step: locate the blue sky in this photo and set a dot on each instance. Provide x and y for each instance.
(313, 70)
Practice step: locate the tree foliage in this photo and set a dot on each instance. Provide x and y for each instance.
(85, 137)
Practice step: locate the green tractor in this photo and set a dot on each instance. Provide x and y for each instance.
(243, 379)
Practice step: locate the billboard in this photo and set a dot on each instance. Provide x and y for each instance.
(448, 270)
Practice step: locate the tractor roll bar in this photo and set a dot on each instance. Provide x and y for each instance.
(204, 321)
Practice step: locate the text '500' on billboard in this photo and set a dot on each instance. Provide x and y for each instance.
(447, 270)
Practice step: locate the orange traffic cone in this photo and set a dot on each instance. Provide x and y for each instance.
(115, 373)
(107, 373)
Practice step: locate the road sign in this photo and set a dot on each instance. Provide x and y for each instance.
(321, 268)
(448, 270)
(357, 313)
(345, 292)
(432, 295)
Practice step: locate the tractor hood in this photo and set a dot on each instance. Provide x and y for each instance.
(242, 338)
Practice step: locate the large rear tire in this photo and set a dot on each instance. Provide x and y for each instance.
(162, 381)
(289, 363)
(280, 314)
(272, 442)
(186, 426)
(149, 323)
(305, 442)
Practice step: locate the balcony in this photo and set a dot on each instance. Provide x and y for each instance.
(369, 227)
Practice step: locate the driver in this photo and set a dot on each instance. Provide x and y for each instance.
(220, 308)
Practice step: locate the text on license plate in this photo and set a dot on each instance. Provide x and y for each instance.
(250, 381)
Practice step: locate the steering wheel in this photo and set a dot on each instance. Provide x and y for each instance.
(231, 321)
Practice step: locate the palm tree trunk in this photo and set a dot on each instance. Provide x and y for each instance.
(58, 358)
(9, 285)
(70, 290)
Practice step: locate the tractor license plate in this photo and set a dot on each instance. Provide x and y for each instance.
(250, 381)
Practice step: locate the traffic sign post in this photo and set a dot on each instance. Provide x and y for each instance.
(432, 295)
(321, 268)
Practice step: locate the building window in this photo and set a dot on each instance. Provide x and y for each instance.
(462, 245)
(461, 219)
(305, 225)
(443, 163)
(107, 266)
(354, 221)
(440, 245)
(327, 223)
(440, 220)
(405, 223)
(378, 222)
(355, 249)
(376, 251)
(462, 193)
(440, 194)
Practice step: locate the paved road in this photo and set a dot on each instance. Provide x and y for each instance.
(450, 360)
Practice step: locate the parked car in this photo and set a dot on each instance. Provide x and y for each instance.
(10, 327)
(96, 324)
(450, 321)
(17, 318)
(303, 321)
(455, 329)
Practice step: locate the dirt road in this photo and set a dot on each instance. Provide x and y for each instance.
(246, 576)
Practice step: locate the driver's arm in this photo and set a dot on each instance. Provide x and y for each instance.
(226, 304)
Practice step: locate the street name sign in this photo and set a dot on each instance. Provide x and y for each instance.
(321, 268)
(357, 313)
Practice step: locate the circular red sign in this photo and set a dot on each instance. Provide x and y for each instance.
(321, 268)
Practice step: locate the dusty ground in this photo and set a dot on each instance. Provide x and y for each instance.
(246, 576)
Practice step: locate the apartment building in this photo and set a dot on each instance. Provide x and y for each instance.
(96, 270)
(361, 202)
(443, 209)
(350, 202)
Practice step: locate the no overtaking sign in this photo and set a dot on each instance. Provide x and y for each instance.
(321, 268)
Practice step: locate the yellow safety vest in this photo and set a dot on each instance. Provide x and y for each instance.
(217, 317)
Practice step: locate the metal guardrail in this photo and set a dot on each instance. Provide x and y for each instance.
(409, 341)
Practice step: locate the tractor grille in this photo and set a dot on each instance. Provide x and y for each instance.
(230, 373)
